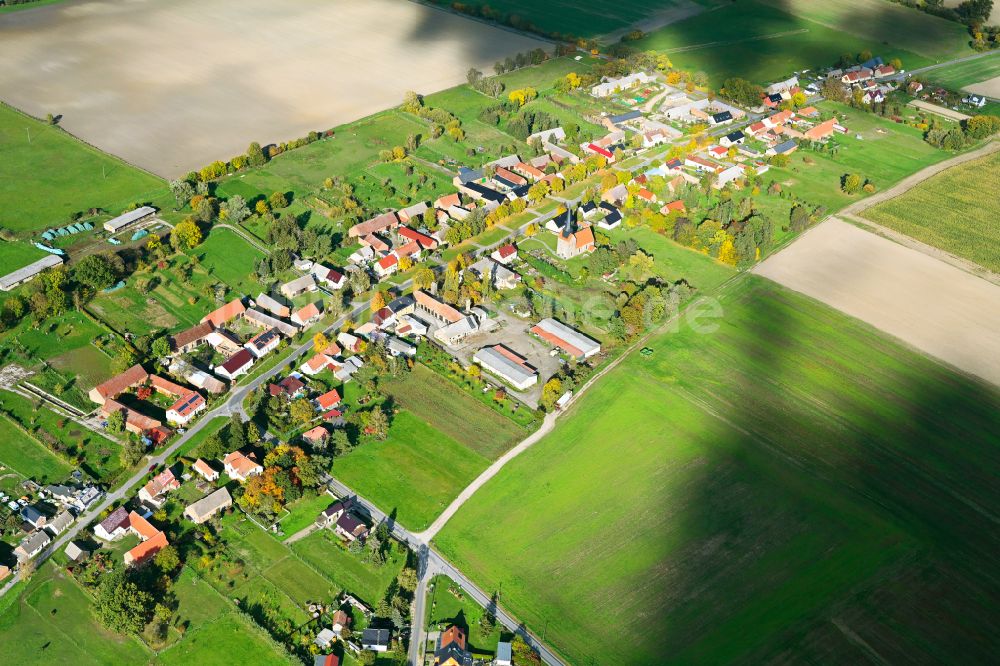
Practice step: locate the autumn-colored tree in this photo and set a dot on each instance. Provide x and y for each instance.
(727, 252)
(378, 301)
(301, 411)
(551, 393)
(423, 278)
(851, 183)
(320, 342)
(186, 234)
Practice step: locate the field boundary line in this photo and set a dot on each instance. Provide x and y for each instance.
(756, 38)
(548, 424)
(854, 212)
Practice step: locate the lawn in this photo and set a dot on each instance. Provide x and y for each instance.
(100, 456)
(416, 472)
(55, 175)
(231, 259)
(51, 620)
(454, 412)
(949, 211)
(886, 153)
(674, 262)
(325, 552)
(791, 487)
(960, 74)
(28, 457)
(756, 41)
(445, 608)
(227, 639)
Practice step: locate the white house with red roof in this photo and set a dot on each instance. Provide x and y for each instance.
(307, 315)
(328, 400)
(241, 467)
(505, 254)
(387, 265)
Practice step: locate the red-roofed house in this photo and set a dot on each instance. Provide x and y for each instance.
(505, 255)
(646, 195)
(808, 111)
(238, 364)
(155, 491)
(205, 470)
(316, 364)
(387, 265)
(883, 70)
(447, 201)
(241, 467)
(857, 76)
(306, 315)
(186, 407)
(119, 383)
(604, 152)
(226, 313)
(426, 242)
(528, 171)
(673, 206)
(153, 540)
(718, 151)
(328, 400)
(510, 176)
(821, 131)
(411, 249)
(316, 436)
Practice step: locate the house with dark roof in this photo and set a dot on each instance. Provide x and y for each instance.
(721, 117)
(114, 526)
(732, 139)
(345, 524)
(237, 365)
(376, 640)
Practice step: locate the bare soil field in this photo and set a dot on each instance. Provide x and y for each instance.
(990, 88)
(935, 307)
(172, 86)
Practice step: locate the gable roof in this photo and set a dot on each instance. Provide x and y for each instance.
(507, 250)
(204, 468)
(328, 399)
(209, 504)
(190, 335)
(375, 224)
(238, 360)
(442, 310)
(115, 520)
(316, 434)
(307, 312)
(134, 375)
(226, 313)
(242, 464)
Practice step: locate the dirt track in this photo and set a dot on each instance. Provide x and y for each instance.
(937, 308)
(171, 85)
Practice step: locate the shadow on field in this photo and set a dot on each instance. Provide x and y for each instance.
(837, 523)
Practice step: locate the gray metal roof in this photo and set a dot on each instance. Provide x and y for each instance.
(503, 367)
(569, 335)
(128, 218)
(11, 280)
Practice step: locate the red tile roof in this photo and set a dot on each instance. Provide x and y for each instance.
(425, 241)
(238, 360)
(507, 250)
(442, 310)
(131, 377)
(600, 151)
(147, 548)
(226, 313)
(328, 399)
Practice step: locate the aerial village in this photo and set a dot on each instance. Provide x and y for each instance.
(480, 314)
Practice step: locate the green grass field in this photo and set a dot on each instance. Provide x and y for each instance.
(589, 18)
(324, 551)
(878, 21)
(961, 74)
(52, 620)
(101, 456)
(886, 153)
(793, 487)
(43, 182)
(28, 457)
(417, 471)
(757, 41)
(950, 211)
(455, 413)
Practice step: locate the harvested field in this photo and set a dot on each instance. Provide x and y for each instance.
(937, 308)
(990, 88)
(126, 77)
(942, 111)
